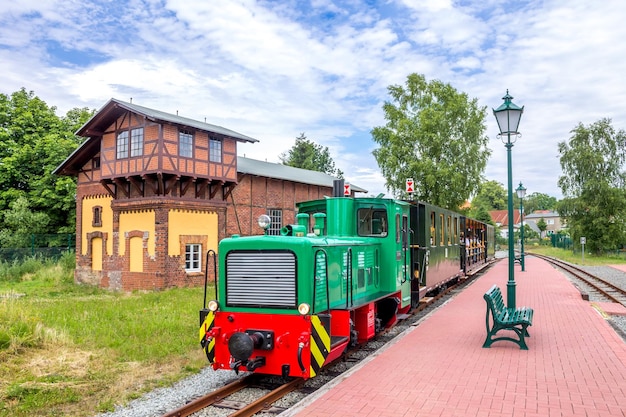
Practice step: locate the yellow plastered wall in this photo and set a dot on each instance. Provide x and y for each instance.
(88, 204)
(136, 254)
(96, 254)
(142, 220)
(186, 222)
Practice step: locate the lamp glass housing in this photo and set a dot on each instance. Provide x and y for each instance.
(508, 115)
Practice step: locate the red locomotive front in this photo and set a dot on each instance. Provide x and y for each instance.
(286, 345)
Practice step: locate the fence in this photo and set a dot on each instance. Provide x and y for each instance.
(49, 246)
(561, 241)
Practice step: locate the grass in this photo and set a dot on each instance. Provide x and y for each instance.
(576, 258)
(75, 350)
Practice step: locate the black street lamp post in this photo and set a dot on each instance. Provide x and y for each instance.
(508, 116)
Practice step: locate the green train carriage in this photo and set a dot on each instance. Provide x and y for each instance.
(289, 304)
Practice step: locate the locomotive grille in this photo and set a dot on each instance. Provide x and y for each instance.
(261, 279)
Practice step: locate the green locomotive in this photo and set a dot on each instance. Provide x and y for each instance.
(289, 304)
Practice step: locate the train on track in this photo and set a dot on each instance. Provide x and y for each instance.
(348, 269)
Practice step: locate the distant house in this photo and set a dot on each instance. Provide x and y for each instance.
(553, 221)
(501, 219)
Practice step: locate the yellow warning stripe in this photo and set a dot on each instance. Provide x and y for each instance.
(319, 345)
(316, 355)
(206, 326)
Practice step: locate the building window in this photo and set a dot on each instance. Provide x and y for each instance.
(134, 147)
(136, 142)
(215, 150)
(122, 145)
(276, 216)
(193, 257)
(97, 216)
(185, 147)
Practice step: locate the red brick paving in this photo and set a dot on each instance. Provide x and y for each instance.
(621, 267)
(575, 365)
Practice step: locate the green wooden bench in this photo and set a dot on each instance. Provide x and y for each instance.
(504, 318)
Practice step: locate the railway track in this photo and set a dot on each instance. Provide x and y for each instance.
(603, 288)
(220, 398)
(223, 397)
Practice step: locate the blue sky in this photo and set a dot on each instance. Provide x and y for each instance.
(275, 69)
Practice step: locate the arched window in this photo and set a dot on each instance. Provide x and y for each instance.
(97, 216)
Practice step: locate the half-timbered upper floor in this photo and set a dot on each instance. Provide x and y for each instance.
(136, 152)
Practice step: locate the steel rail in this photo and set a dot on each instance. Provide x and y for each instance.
(592, 281)
(211, 398)
(267, 400)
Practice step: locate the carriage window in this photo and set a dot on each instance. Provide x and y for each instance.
(442, 240)
(372, 222)
(432, 229)
(449, 230)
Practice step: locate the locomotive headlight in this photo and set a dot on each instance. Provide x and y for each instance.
(264, 221)
(304, 309)
(213, 305)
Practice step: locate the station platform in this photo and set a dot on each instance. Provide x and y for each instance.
(575, 365)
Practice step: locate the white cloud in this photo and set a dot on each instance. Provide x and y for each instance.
(272, 70)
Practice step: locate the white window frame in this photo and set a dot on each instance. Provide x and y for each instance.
(215, 150)
(193, 257)
(122, 145)
(136, 142)
(185, 144)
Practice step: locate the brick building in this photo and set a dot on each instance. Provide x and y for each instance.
(156, 191)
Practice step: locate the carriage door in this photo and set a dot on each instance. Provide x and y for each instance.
(406, 259)
(462, 241)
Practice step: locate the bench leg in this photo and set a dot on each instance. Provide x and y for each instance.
(521, 333)
(522, 342)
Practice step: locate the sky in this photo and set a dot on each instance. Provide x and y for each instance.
(275, 69)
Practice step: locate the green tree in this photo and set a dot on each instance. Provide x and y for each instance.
(491, 195)
(482, 214)
(528, 234)
(436, 136)
(19, 222)
(33, 142)
(592, 183)
(539, 201)
(306, 154)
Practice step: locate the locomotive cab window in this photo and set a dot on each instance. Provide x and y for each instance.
(372, 222)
